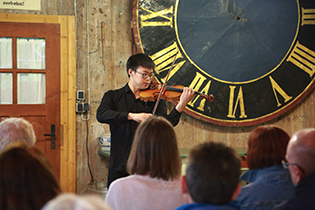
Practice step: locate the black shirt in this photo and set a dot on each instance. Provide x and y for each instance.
(114, 109)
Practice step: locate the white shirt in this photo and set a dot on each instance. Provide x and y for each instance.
(137, 192)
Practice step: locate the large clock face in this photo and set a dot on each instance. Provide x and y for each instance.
(256, 57)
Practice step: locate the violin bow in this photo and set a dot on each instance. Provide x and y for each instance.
(163, 86)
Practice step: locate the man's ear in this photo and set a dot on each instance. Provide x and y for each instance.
(236, 192)
(184, 184)
(299, 174)
(185, 189)
(130, 72)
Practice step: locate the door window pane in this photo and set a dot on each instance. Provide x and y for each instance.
(6, 88)
(5, 53)
(31, 88)
(31, 53)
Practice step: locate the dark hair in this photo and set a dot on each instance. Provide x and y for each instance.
(139, 59)
(266, 146)
(154, 151)
(212, 173)
(27, 181)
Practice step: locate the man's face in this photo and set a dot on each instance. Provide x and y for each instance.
(292, 167)
(142, 77)
(292, 172)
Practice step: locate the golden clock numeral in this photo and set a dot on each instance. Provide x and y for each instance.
(303, 58)
(308, 17)
(239, 101)
(164, 58)
(196, 85)
(276, 87)
(152, 15)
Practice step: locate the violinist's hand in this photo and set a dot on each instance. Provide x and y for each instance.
(138, 117)
(187, 95)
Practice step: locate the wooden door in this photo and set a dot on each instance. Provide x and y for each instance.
(32, 89)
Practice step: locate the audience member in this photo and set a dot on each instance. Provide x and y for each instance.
(268, 182)
(300, 158)
(16, 130)
(69, 201)
(27, 181)
(155, 167)
(212, 177)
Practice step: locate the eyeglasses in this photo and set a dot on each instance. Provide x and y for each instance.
(286, 164)
(146, 75)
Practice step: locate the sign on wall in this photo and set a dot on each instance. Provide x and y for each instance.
(20, 4)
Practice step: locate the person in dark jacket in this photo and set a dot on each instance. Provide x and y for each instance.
(300, 158)
(212, 178)
(123, 110)
(269, 183)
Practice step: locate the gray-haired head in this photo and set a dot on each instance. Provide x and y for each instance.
(76, 202)
(16, 130)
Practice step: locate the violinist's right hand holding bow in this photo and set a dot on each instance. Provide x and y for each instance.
(139, 117)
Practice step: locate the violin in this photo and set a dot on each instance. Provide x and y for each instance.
(170, 93)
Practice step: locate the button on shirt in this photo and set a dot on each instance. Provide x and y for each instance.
(114, 109)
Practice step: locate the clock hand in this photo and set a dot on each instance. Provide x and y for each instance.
(227, 5)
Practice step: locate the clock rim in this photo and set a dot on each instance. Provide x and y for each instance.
(135, 27)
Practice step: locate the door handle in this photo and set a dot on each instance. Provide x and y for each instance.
(52, 135)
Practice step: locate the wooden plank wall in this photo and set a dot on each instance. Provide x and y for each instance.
(100, 68)
(104, 43)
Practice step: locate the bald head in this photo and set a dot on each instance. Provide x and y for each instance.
(301, 150)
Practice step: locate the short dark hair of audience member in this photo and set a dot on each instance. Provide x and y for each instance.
(139, 59)
(266, 146)
(68, 201)
(212, 173)
(154, 151)
(16, 130)
(27, 181)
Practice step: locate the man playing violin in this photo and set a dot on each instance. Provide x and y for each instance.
(123, 110)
